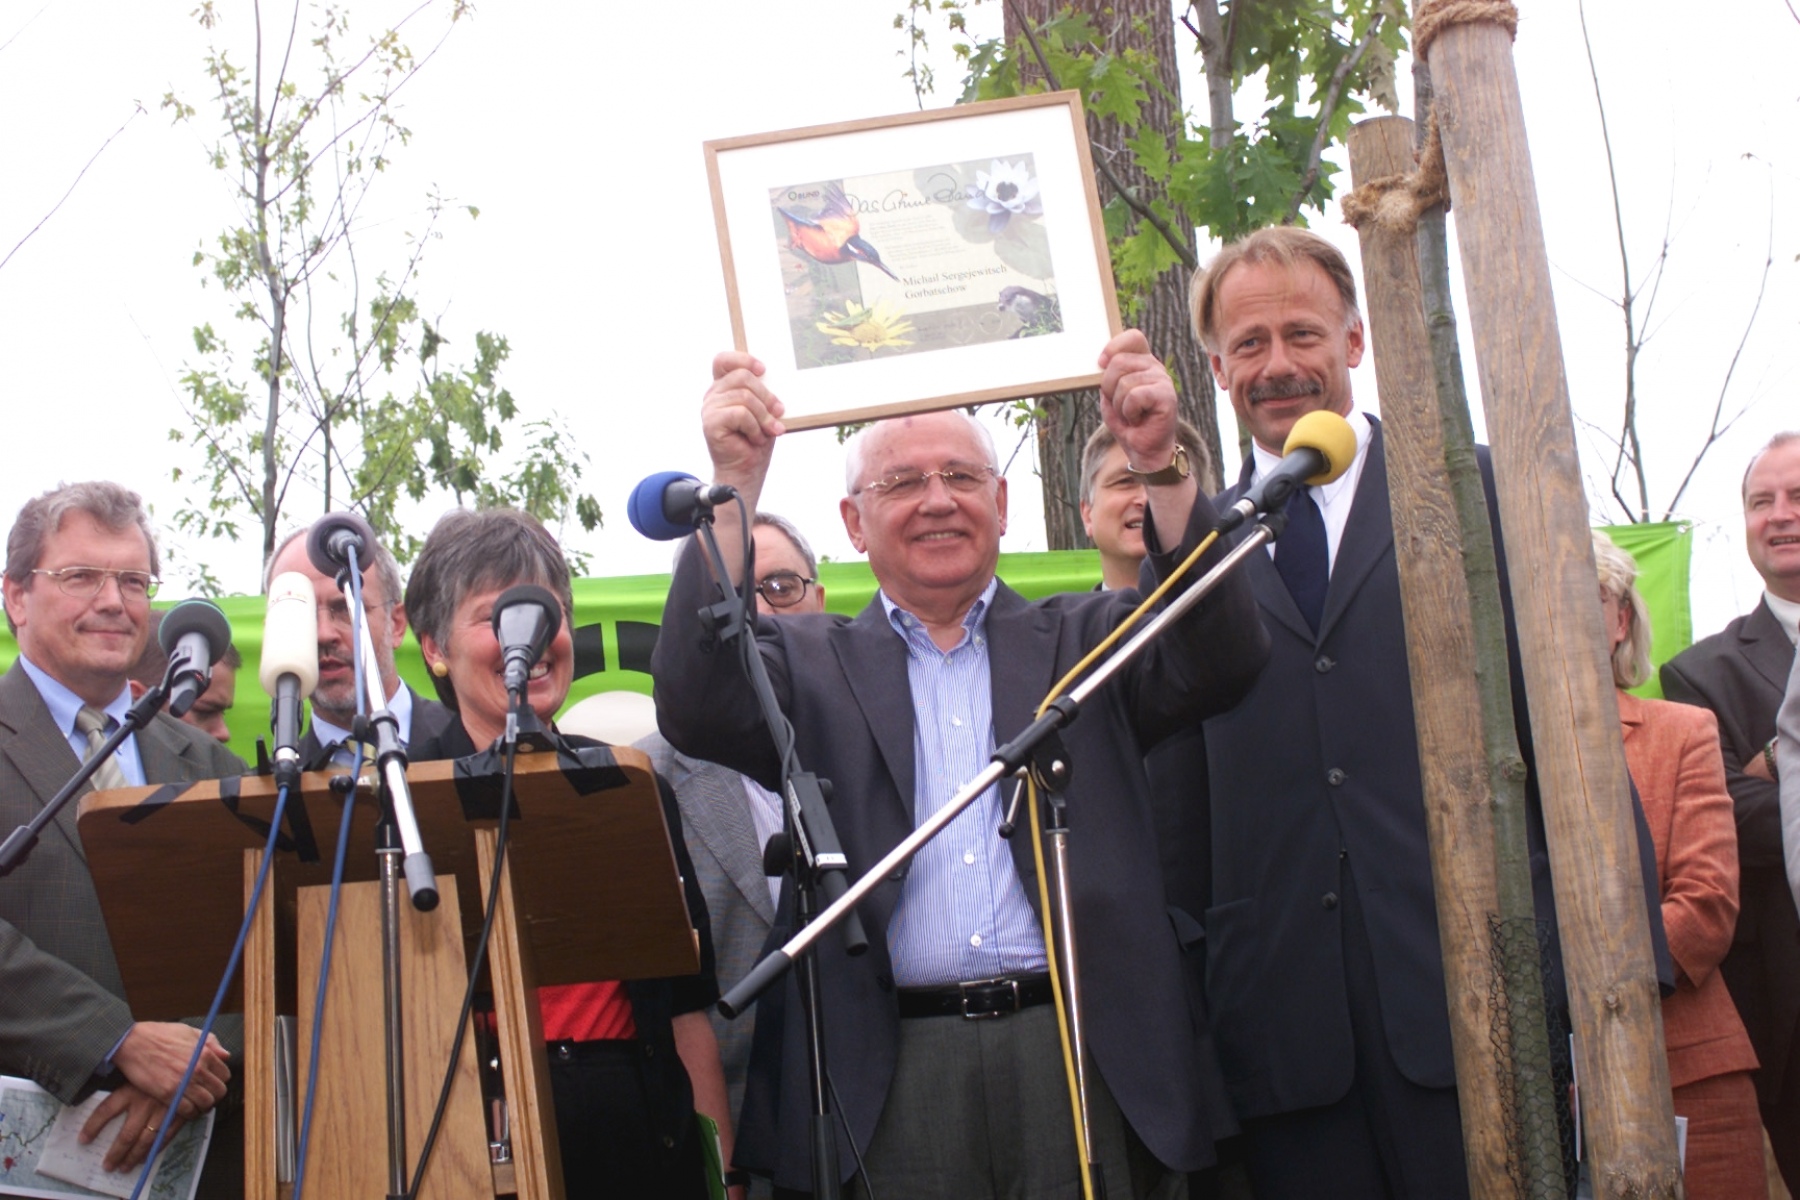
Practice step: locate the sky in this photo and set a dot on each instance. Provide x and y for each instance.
(577, 131)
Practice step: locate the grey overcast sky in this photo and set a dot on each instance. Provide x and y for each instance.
(577, 130)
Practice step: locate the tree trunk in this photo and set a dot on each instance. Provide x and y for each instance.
(1069, 418)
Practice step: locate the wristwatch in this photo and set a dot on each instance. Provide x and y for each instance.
(1175, 472)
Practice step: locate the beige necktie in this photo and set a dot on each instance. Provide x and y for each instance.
(93, 722)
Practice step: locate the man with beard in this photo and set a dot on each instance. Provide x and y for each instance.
(328, 739)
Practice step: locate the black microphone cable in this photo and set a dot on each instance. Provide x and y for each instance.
(481, 945)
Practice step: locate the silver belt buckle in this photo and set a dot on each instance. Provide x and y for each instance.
(987, 983)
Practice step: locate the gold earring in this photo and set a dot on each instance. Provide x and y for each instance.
(440, 668)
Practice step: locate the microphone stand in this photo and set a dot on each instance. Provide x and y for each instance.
(20, 842)
(817, 860)
(1037, 748)
(399, 851)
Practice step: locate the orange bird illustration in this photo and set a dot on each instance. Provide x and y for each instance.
(831, 236)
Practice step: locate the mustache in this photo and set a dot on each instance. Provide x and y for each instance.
(1287, 387)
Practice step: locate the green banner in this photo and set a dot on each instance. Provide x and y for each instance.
(1663, 551)
(616, 620)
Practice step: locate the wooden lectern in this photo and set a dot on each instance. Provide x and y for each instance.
(590, 891)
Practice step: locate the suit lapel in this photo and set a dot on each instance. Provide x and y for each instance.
(1022, 665)
(1631, 714)
(165, 757)
(1764, 643)
(715, 807)
(1369, 531)
(38, 750)
(1368, 535)
(871, 655)
(1265, 582)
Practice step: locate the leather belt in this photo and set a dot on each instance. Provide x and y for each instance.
(976, 999)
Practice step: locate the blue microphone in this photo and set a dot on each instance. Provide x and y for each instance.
(668, 505)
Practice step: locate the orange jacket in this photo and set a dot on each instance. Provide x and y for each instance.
(1673, 753)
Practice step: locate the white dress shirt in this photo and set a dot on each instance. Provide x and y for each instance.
(401, 705)
(1334, 498)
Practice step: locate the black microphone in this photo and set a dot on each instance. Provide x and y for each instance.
(1319, 448)
(526, 617)
(668, 505)
(194, 636)
(333, 536)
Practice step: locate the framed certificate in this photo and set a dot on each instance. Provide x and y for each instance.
(919, 262)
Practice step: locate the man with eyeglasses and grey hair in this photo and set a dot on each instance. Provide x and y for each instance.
(329, 739)
(940, 1041)
(728, 818)
(81, 566)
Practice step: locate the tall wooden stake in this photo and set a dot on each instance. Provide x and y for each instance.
(1613, 997)
(1456, 645)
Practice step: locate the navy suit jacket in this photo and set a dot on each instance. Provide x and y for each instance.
(1741, 673)
(843, 684)
(1321, 761)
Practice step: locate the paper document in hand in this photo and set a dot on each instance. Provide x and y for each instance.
(41, 1153)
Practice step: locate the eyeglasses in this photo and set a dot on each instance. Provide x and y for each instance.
(84, 583)
(783, 589)
(338, 612)
(908, 485)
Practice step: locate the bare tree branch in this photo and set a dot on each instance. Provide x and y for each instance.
(1629, 424)
(1717, 430)
(1327, 107)
(137, 111)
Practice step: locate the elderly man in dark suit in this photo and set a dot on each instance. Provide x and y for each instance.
(1741, 674)
(728, 817)
(327, 738)
(80, 566)
(901, 705)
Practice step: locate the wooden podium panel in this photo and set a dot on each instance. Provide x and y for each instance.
(594, 871)
(347, 1156)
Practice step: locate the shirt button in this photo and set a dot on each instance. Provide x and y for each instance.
(975, 940)
(1329, 900)
(956, 721)
(1324, 663)
(1335, 777)
(969, 857)
(649, 1050)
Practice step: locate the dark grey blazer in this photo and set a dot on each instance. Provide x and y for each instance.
(1741, 673)
(721, 839)
(62, 1006)
(1320, 761)
(843, 684)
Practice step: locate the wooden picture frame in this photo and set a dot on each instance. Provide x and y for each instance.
(925, 261)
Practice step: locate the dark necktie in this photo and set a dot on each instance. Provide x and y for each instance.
(1302, 559)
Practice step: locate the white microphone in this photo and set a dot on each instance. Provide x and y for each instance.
(290, 664)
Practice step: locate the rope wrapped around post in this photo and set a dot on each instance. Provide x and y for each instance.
(1395, 202)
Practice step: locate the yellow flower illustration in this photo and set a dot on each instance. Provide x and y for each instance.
(870, 328)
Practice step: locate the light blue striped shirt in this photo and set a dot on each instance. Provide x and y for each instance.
(963, 913)
(65, 704)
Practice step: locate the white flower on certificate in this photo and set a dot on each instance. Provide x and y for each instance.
(1004, 191)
